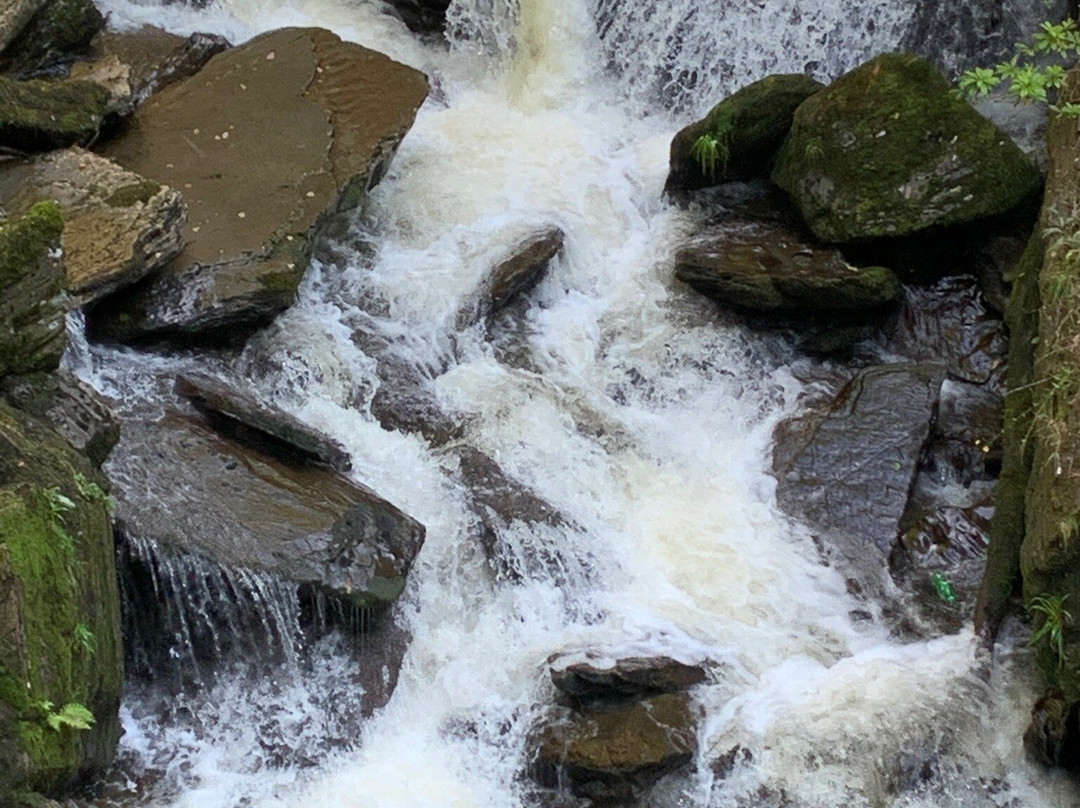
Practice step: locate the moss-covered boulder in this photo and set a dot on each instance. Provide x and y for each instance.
(32, 301)
(61, 667)
(888, 150)
(42, 114)
(748, 128)
(60, 30)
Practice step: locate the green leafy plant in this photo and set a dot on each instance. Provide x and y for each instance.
(1026, 80)
(85, 638)
(814, 149)
(59, 505)
(72, 714)
(1051, 608)
(92, 492)
(709, 151)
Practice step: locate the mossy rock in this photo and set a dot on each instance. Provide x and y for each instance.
(42, 114)
(888, 150)
(750, 125)
(59, 31)
(59, 611)
(32, 303)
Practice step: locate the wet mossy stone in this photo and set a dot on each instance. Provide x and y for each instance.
(887, 150)
(59, 611)
(751, 125)
(42, 114)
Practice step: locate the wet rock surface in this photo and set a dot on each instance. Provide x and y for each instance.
(58, 30)
(613, 753)
(267, 144)
(590, 676)
(300, 521)
(764, 267)
(118, 226)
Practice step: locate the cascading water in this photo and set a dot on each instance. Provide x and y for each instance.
(633, 407)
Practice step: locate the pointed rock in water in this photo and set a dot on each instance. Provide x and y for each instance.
(258, 510)
(267, 142)
(595, 676)
(118, 226)
(32, 298)
(848, 467)
(749, 127)
(612, 754)
(887, 150)
(767, 268)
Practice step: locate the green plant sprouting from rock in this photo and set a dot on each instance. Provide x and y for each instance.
(72, 715)
(1055, 618)
(713, 148)
(92, 492)
(1026, 80)
(59, 504)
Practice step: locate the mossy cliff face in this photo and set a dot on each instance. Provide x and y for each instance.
(887, 150)
(1050, 555)
(59, 611)
(750, 125)
(32, 304)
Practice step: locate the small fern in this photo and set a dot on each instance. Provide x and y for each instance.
(1055, 620)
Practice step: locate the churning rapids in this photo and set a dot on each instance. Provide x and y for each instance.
(632, 406)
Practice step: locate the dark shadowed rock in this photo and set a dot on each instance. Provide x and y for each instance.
(14, 15)
(749, 125)
(55, 34)
(268, 142)
(848, 467)
(887, 150)
(1053, 736)
(42, 114)
(591, 676)
(612, 754)
(76, 411)
(768, 268)
(300, 521)
(118, 226)
(422, 16)
(245, 409)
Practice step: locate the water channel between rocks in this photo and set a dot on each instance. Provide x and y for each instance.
(641, 413)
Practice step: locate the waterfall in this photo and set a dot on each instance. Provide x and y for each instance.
(634, 408)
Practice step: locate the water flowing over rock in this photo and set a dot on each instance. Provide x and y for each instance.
(848, 469)
(267, 143)
(593, 676)
(260, 508)
(749, 127)
(33, 305)
(765, 268)
(613, 753)
(887, 150)
(422, 16)
(118, 226)
(42, 114)
(60, 649)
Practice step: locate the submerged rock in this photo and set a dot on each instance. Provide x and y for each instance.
(61, 669)
(593, 676)
(118, 226)
(267, 143)
(612, 754)
(887, 150)
(259, 508)
(32, 301)
(42, 114)
(768, 268)
(848, 467)
(749, 127)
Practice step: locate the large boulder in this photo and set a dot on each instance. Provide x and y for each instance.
(848, 467)
(60, 29)
(32, 300)
(61, 668)
(264, 504)
(768, 268)
(267, 143)
(612, 753)
(749, 126)
(118, 226)
(889, 150)
(42, 114)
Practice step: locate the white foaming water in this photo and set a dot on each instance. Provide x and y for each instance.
(639, 415)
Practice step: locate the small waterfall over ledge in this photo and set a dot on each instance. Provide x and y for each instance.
(632, 408)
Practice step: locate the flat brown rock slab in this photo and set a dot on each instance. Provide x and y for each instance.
(588, 675)
(247, 411)
(613, 753)
(118, 226)
(266, 142)
(190, 489)
(764, 267)
(849, 467)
